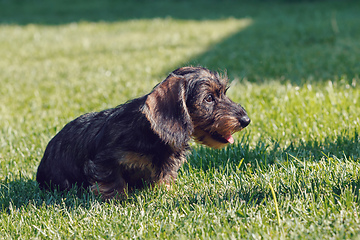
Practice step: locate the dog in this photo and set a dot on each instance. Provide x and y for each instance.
(144, 141)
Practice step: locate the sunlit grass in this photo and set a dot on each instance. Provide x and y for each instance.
(293, 71)
(60, 72)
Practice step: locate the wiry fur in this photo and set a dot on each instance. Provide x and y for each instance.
(145, 140)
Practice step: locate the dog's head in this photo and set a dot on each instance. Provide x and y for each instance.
(192, 101)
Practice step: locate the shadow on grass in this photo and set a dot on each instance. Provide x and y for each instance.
(263, 154)
(325, 174)
(293, 41)
(19, 192)
(58, 12)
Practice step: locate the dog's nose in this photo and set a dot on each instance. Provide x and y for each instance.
(244, 121)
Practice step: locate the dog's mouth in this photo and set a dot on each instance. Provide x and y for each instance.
(227, 138)
(213, 139)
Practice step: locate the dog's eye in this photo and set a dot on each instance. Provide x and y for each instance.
(209, 98)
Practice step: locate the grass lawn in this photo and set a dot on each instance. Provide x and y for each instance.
(293, 173)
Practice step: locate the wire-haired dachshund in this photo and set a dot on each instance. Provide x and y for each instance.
(144, 141)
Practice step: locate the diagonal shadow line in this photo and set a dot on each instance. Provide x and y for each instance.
(282, 43)
(295, 52)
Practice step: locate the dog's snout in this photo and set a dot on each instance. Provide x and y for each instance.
(244, 121)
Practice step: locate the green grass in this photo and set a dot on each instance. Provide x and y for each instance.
(294, 66)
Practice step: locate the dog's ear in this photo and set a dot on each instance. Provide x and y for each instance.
(166, 110)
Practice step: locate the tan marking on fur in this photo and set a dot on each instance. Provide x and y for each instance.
(110, 190)
(206, 139)
(136, 160)
(168, 184)
(168, 180)
(225, 125)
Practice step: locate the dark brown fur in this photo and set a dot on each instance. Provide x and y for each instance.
(144, 141)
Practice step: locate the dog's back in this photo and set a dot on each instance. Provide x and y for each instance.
(62, 165)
